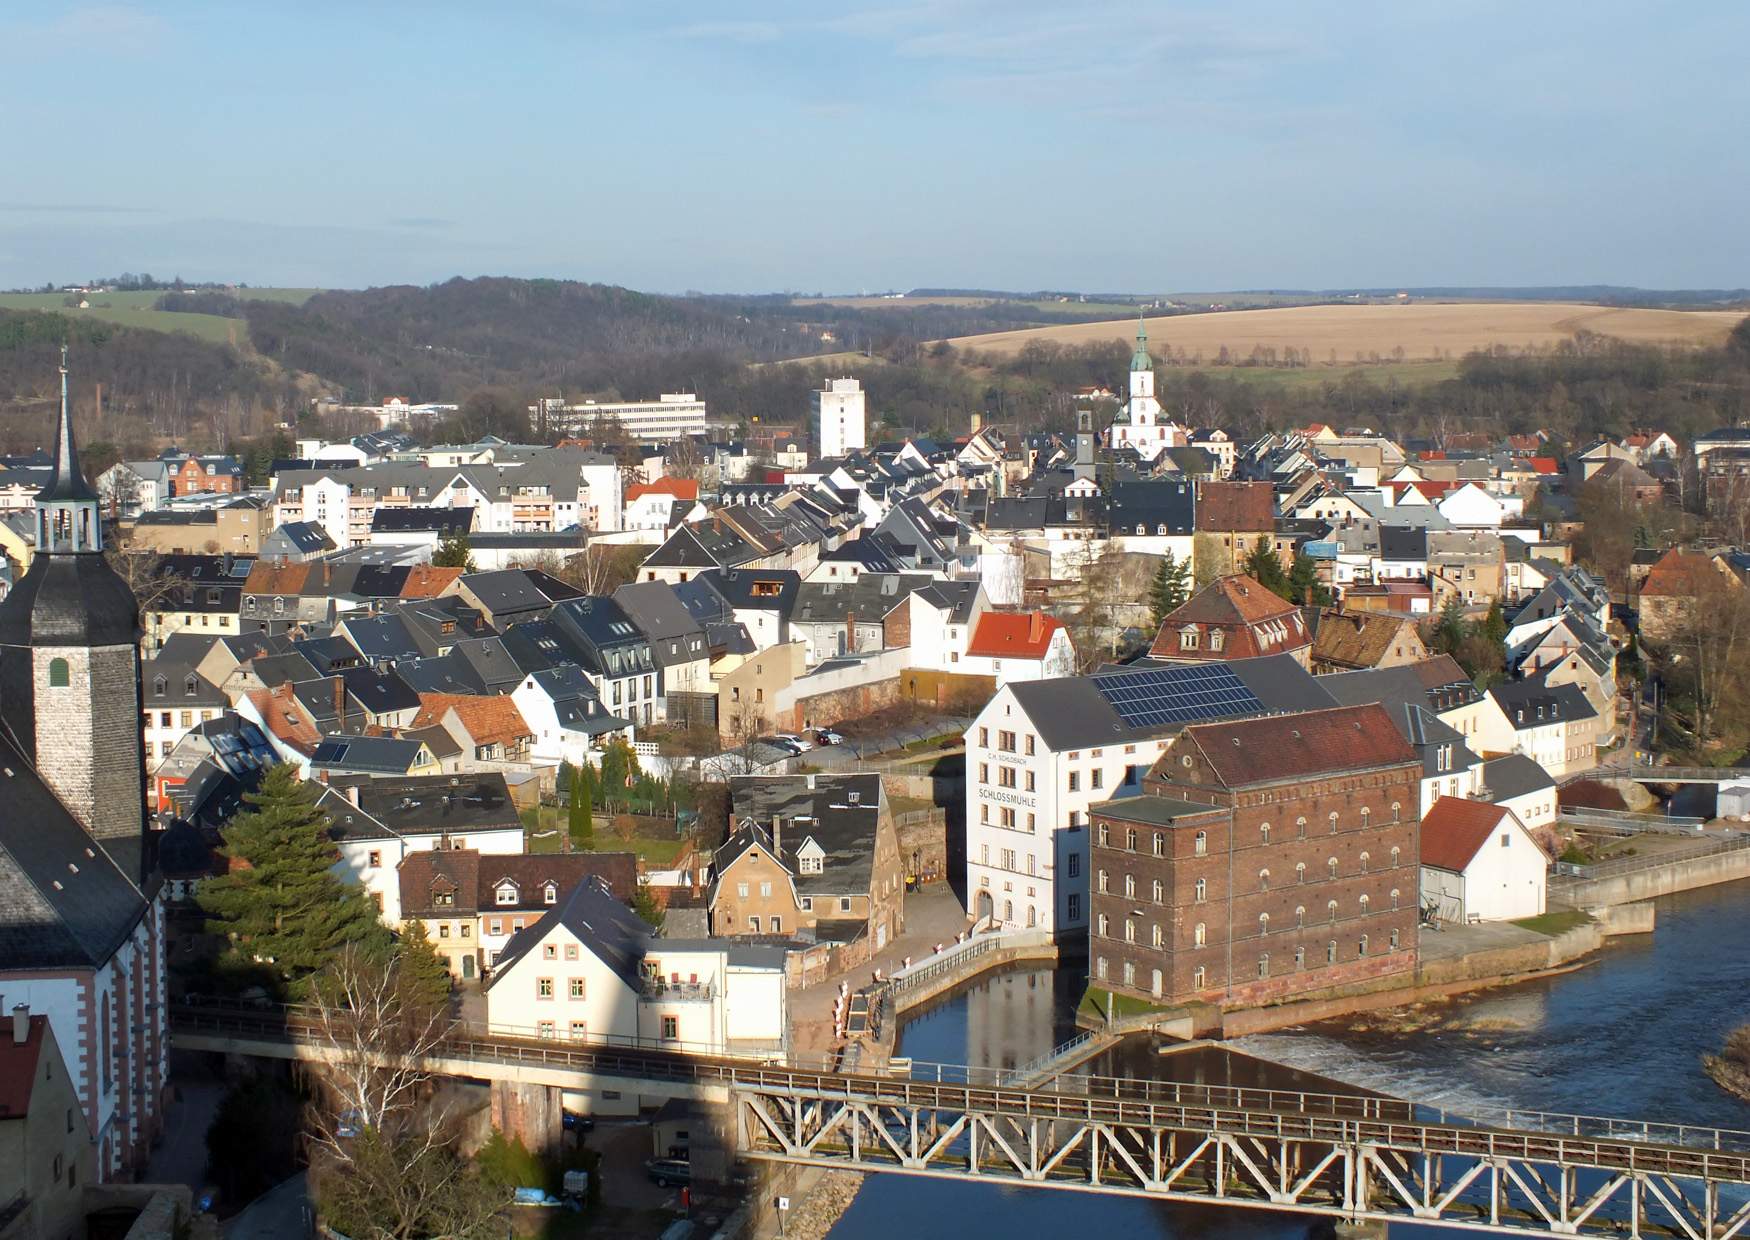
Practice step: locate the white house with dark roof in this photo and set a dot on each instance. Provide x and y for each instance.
(1042, 752)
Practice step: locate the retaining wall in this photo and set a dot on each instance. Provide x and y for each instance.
(973, 968)
(1655, 881)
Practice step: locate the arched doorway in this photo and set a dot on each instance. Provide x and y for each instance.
(985, 906)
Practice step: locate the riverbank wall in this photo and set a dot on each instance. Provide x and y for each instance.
(1665, 879)
(1448, 976)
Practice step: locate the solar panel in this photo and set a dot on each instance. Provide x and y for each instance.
(1163, 696)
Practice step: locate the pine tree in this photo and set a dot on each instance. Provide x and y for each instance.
(280, 903)
(1304, 586)
(453, 552)
(1264, 567)
(647, 906)
(419, 968)
(581, 825)
(1170, 588)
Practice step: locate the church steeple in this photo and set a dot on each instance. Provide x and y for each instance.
(1140, 360)
(67, 513)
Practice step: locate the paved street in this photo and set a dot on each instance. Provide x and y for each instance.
(181, 1156)
(933, 915)
(281, 1213)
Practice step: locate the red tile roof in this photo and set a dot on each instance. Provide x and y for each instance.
(428, 581)
(18, 1063)
(680, 488)
(1316, 742)
(1236, 507)
(487, 719)
(1251, 619)
(1545, 465)
(1678, 573)
(270, 578)
(286, 718)
(1013, 635)
(1454, 829)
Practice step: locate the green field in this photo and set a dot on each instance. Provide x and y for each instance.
(134, 309)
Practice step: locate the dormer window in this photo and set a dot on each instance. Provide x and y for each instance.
(1188, 637)
(549, 894)
(190, 686)
(507, 893)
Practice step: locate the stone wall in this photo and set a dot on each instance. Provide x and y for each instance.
(923, 844)
(88, 736)
(825, 709)
(1655, 881)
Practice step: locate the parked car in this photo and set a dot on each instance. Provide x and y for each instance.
(826, 736)
(800, 743)
(573, 1122)
(669, 1172)
(787, 744)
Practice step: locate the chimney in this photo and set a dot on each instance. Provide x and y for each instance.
(20, 1024)
(778, 834)
(1035, 627)
(352, 795)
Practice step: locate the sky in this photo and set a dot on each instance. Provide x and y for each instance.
(1100, 145)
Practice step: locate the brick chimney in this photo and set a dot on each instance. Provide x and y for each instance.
(1035, 627)
(778, 835)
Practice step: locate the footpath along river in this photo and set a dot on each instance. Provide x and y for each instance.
(1623, 1036)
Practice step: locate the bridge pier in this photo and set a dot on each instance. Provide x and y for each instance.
(529, 1113)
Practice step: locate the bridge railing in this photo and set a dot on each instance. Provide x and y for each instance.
(953, 958)
(654, 1059)
(1567, 872)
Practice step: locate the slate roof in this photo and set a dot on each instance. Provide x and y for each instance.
(1531, 704)
(1515, 776)
(675, 636)
(364, 755)
(606, 928)
(1152, 505)
(476, 876)
(1398, 542)
(843, 813)
(421, 805)
(65, 902)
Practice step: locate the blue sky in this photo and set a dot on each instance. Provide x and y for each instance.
(1102, 144)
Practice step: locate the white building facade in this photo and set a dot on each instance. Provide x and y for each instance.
(840, 418)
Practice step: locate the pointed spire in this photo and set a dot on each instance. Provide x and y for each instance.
(66, 484)
(1140, 360)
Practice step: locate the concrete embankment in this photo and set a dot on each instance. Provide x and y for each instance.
(1668, 878)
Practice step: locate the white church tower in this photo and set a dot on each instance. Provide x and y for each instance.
(1141, 425)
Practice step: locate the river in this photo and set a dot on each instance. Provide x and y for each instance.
(1623, 1036)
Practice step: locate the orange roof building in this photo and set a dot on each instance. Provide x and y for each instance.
(1232, 617)
(428, 581)
(1479, 863)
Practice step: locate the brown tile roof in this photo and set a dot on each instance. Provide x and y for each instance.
(1454, 828)
(487, 719)
(18, 1061)
(1243, 611)
(1355, 639)
(427, 581)
(1678, 573)
(421, 874)
(1236, 507)
(1317, 742)
(532, 871)
(269, 578)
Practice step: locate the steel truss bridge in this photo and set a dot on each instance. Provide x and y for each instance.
(1353, 1157)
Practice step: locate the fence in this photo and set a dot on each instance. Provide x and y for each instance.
(1567, 872)
(952, 959)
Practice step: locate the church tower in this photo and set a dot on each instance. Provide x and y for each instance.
(70, 664)
(1143, 405)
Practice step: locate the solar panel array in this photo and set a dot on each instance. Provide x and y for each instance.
(1169, 695)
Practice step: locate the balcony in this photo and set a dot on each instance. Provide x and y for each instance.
(656, 990)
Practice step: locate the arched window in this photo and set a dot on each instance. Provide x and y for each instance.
(1263, 923)
(1300, 827)
(1364, 859)
(1159, 892)
(1300, 872)
(1331, 868)
(1264, 965)
(1202, 890)
(1201, 840)
(1394, 897)
(1300, 957)
(1130, 840)
(1141, 528)
(1100, 968)
(1333, 822)
(1130, 886)
(1130, 930)
(1155, 936)
(1299, 915)
(1366, 816)
(1264, 880)
(1264, 834)
(1365, 901)
(1394, 940)
(1331, 910)
(1100, 882)
(1101, 930)
(1200, 936)
(59, 677)
(1331, 952)
(1362, 946)
(1397, 812)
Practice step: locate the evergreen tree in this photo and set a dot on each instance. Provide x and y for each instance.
(1495, 625)
(279, 902)
(420, 969)
(581, 826)
(1170, 588)
(647, 906)
(619, 770)
(1263, 566)
(1450, 627)
(452, 552)
(1304, 586)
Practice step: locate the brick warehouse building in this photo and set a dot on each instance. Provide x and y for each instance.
(1266, 858)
